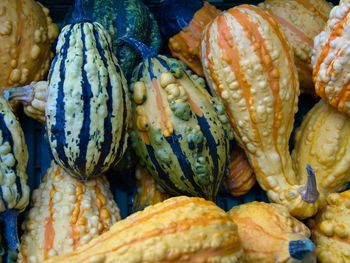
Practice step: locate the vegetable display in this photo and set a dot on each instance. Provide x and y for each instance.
(180, 229)
(248, 63)
(66, 214)
(87, 111)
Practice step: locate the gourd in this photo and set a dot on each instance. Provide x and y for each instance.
(26, 35)
(180, 133)
(269, 234)
(248, 63)
(122, 18)
(330, 59)
(87, 110)
(33, 97)
(182, 24)
(241, 177)
(331, 228)
(180, 229)
(65, 214)
(323, 142)
(300, 22)
(14, 191)
(148, 192)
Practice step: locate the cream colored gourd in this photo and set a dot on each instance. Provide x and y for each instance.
(323, 141)
(248, 63)
(65, 214)
(331, 229)
(270, 235)
(180, 229)
(300, 21)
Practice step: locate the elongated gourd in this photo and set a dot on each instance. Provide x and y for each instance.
(87, 110)
(248, 63)
(180, 132)
(66, 214)
(331, 229)
(180, 229)
(331, 59)
(323, 142)
(301, 21)
(270, 235)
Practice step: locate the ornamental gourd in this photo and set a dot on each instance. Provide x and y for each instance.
(26, 35)
(14, 191)
(122, 18)
(248, 63)
(270, 235)
(323, 142)
(241, 177)
(330, 59)
(180, 229)
(180, 132)
(331, 229)
(148, 192)
(87, 110)
(300, 22)
(66, 214)
(182, 24)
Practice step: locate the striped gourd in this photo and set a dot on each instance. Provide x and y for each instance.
(180, 229)
(270, 235)
(87, 109)
(180, 132)
(330, 59)
(65, 214)
(323, 141)
(248, 63)
(331, 229)
(301, 21)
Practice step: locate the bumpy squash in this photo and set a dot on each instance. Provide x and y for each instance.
(270, 235)
(180, 132)
(26, 35)
(331, 229)
(147, 190)
(87, 110)
(182, 24)
(180, 229)
(65, 214)
(330, 59)
(300, 21)
(248, 63)
(323, 142)
(122, 18)
(241, 177)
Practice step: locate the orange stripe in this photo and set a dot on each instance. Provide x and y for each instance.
(337, 31)
(308, 5)
(49, 235)
(135, 219)
(76, 214)
(161, 107)
(194, 107)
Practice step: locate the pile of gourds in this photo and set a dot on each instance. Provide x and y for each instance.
(110, 94)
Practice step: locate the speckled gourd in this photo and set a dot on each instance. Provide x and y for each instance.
(26, 35)
(65, 214)
(87, 110)
(330, 59)
(270, 235)
(323, 142)
(180, 229)
(248, 63)
(182, 24)
(300, 21)
(331, 229)
(148, 192)
(241, 177)
(180, 132)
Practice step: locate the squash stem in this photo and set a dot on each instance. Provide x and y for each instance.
(23, 94)
(9, 219)
(79, 11)
(309, 191)
(299, 249)
(144, 51)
